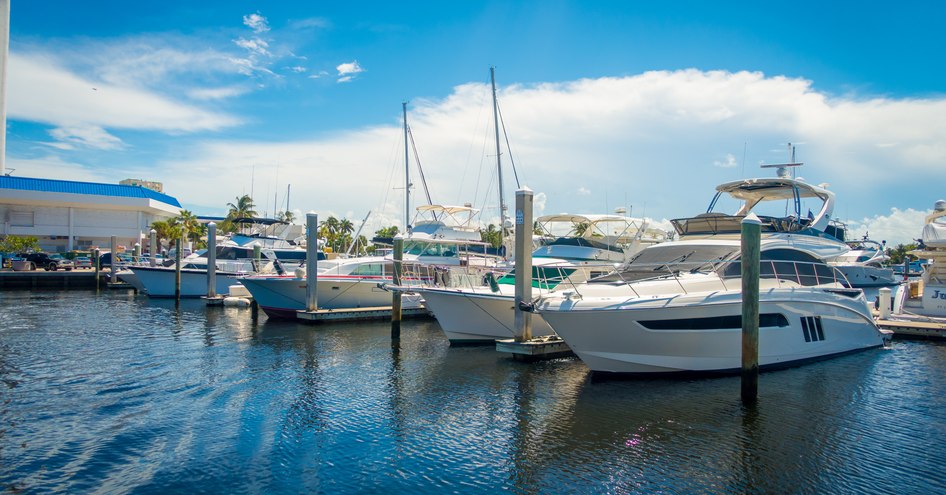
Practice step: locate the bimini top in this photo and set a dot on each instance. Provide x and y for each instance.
(88, 188)
(755, 191)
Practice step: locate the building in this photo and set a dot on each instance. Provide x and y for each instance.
(67, 215)
(154, 186)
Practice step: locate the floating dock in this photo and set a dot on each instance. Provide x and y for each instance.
(359, 314)
(41, 279)
(548, 347)
(914, 328)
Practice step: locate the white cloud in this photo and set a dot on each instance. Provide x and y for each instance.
(310, 23)
(54, 167)
(41, 90)
(347, 71)
(256, 22)
(649, 142)
(298, 69)
(89, 136)
(898, 227)
(255, 46)
(584, 191)
(221, 93)
(728, 162)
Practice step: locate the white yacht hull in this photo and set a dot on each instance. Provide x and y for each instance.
(131, 279)
(469, 317)
(283, 296)
(159, 281)
(702, 332)
(863, 276)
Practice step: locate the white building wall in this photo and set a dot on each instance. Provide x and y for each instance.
(91, 227)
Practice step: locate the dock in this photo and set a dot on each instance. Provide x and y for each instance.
(359, 314)
(41, 279)
(914, 328)
(548, 347)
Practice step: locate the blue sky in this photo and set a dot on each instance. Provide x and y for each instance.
(644, 104)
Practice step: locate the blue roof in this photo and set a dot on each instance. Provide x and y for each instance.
(93, 188)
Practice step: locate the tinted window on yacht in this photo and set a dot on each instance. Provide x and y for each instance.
(661, 260)
(714, 322)
(788, 264)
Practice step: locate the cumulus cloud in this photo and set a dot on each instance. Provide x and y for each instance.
(584, 191)
(54, 167)
(348, 70)
(651, 142)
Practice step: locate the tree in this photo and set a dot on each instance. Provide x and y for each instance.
(286, 216)
(243, 208)
(387, 231)
(13, 244)
(899, 254)
(163, 229)
(492, 236)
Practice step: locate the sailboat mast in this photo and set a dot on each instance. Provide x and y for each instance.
(407, 173)
(499, 161)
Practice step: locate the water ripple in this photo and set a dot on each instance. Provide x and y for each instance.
(116, 393)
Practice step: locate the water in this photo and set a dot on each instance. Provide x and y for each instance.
(115, 393)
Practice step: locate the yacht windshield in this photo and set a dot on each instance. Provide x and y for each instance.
(664, 259)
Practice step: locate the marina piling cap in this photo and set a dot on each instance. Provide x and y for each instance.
(752, 218)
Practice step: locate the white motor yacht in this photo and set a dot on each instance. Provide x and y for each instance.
(926, 297)
(677, 307)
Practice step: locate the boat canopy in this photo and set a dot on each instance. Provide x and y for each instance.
(753, 192)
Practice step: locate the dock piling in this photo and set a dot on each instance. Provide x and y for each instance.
(113, 268)
(211, 260)
(311, 261)
(396, 295)
(523, 254)
(152, 247)
(177, 269)
(98, 267)
(884, 302)
(751, 252)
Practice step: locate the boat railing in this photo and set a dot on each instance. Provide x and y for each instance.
(545, 277)
(728, 274)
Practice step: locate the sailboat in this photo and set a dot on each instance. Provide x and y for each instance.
(440, 234)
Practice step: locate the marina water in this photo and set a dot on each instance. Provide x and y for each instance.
(116, 393)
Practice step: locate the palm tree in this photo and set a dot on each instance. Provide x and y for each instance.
(329, 230)
(286, 216)
(163, 229)
(345, 230)
(492, 235)
(243, 208)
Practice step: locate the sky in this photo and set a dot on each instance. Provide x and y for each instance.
(642, 105)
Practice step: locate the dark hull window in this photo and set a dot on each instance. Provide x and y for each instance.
(714, 322)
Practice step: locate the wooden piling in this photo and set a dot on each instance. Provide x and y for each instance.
(523, 254)
(211, 260)
(177, 269)
(396, 295)
(113, 275)
(751, 251)
(98, 267)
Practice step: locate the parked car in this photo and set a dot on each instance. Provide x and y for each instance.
(48, 262)
(105, 260)
(82, 262)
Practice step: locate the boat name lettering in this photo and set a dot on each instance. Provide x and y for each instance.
(938, 295)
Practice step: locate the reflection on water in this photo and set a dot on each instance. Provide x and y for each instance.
(115, 393)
